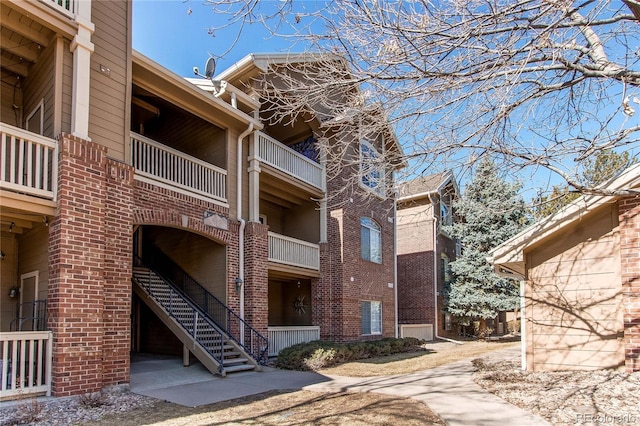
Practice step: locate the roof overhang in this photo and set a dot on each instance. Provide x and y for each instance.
(446, 179)
(154, 77)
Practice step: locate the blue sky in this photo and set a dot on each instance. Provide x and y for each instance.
(166, 32)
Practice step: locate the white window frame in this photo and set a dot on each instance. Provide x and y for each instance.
(37, 109)
(446, 214)
(371, 311)
(374, 254)
(372, 171)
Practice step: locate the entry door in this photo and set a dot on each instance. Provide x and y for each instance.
(28, 296)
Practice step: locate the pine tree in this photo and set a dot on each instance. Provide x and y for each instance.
(490, 211)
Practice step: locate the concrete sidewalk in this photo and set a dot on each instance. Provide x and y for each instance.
(448, 390)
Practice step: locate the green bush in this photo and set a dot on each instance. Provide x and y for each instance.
(321, 354)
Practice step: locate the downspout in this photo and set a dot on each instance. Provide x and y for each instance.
(523, 330)
(435, 273)
(242, 226)
(395, 261)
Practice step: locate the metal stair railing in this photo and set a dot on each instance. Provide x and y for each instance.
(252, 342)
(189, 324)
(38, 317)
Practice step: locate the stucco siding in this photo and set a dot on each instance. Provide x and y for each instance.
(573, 296)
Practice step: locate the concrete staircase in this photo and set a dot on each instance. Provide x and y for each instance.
(206, 340)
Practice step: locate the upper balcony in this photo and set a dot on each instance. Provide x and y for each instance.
(28, 163)
(181, 172)
(286, 160)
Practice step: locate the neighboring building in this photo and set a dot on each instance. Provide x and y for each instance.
(581, 272)
(424, 251)
(114, 170)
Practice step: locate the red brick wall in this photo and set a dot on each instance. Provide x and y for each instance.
(117, 273)
(629, 210)
(415, 288)
(337, 298)
(256, 283)
(76, 304)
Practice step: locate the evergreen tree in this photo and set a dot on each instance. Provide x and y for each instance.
(490, 211)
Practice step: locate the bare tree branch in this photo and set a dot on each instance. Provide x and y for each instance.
(538, 83)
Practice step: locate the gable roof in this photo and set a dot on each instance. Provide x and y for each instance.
(254, 63)
(509, 256)
(424, 186)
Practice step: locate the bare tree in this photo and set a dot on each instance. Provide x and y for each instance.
(533, 83)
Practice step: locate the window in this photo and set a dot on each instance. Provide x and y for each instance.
(445, 275)
(447, 322)
(371, 169)
(370, 240)
(446, 218)
(371, 317)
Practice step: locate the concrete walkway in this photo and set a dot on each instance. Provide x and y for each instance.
(448, 390)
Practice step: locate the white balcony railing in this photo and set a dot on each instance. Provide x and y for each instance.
(283, 337)
(28, 162)
(25, 366)
(66, 7)
(174, 168)
(290, 251)
(278, 155)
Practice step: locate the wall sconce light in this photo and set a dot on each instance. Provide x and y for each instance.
(1, 255)
(13, 292)
(298, 283)
(11, 226)
(45, 220)
(238, 284)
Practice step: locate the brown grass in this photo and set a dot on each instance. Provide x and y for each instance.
(313, 408)
(284, 408)
(435, 355)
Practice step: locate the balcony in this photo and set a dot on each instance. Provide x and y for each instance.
(67, 7)
(283, 337)
(293, 252)
(176, 170)
(28, 162)
(25, 366)
(279, 156)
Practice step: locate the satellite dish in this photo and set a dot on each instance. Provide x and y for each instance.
(210, 68)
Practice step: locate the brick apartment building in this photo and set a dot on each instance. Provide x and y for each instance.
(424, 251)
(144, 212)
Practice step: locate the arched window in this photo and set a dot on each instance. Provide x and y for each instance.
(370, 240)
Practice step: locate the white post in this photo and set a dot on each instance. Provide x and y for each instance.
(254, 181)
(82, 48)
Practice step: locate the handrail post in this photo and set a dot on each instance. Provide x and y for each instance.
(195, 325)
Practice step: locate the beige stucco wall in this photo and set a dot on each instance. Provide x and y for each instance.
(573, 296)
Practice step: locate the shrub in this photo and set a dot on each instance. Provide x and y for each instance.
(513, 326)
(320, 354)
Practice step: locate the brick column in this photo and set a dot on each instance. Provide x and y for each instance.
(76, 268)
(117, 273)
(629, 210)
(256, 282)
(320, 294)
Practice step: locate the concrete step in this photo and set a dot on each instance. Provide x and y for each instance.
(233, 361)
(238, 367)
